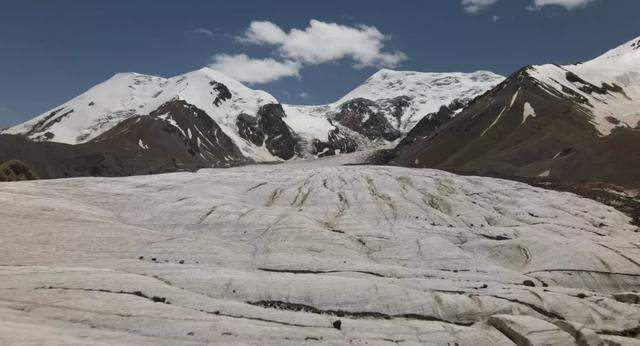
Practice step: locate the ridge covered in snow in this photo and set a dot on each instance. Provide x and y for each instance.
(224, 99)
(564, 123)
(425, 93)
(128, 94)
(429, 91)
(608, 87)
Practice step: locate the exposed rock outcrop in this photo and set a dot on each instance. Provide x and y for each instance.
(337, 143)
(364, 116)
(269, 129)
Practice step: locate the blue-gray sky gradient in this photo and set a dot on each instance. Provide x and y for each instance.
(51, 51)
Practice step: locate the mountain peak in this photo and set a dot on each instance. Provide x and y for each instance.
(428, 90)
(629, 47)
(384, 71)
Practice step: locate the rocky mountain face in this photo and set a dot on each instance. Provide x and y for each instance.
(206, 119)
(568, 123)
(366, 117)
(269, 129)
(433, 121)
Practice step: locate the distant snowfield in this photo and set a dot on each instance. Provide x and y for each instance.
(311, 253)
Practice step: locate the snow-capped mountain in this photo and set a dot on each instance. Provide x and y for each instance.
(568, 122)
(425, 92)
(393, 102)
(245, 125)
(608, 87)
(125, 95)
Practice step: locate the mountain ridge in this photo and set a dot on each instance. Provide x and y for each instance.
(151, 87)
(557, 122)
(126, 95)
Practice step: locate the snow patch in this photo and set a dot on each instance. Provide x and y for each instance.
(495, 121)
(514, 98)
(142, 145)
(528, 112)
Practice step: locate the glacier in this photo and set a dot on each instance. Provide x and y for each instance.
(313, 251)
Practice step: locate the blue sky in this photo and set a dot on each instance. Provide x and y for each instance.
(51, 51)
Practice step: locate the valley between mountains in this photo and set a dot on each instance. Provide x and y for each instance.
(421, 208)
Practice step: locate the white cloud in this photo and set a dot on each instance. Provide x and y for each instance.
(304, 95)
(319, 43)
(568, 4)
(245, 69)
(475, 6)
(495, 18)
(263, 32)
(203, 31)
(324, 42)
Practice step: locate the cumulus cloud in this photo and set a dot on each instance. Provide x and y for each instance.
(245, 69)
(319, 43)
(475, 6)
(324, 42)
(263, 32)
(568, 4)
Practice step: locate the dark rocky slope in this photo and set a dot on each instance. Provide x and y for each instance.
(175, 137)
(365, 117)
(499, 135)
(269, 129)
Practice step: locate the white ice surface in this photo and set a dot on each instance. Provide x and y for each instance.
(399, 256)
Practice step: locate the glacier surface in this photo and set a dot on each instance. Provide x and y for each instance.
(312, 252)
